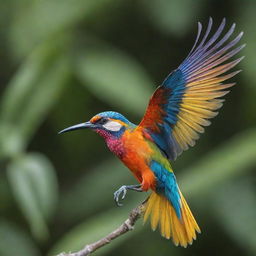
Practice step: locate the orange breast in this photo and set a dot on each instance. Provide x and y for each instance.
(137, 157)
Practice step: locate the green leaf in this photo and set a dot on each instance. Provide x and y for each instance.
(235, 207)
(114, 77)
(31, 93)
(15, 241)
(34, 184)
(42, 19)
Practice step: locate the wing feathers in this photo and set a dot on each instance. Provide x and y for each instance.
(199, 30)
(189, 96)
(213, 80)
(202, 58)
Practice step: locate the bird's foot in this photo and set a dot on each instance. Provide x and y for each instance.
(122, 191)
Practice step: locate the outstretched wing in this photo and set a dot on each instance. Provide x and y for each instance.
(189, 96)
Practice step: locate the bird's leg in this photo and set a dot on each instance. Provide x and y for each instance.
(123, 190)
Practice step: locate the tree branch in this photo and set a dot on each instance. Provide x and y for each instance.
(126, 226)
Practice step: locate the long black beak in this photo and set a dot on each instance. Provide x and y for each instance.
(78, 127)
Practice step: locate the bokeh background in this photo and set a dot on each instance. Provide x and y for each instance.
(64, 61)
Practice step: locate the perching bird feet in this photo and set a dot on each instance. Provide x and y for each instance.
(123, 190)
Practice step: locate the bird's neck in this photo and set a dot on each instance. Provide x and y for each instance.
(114, 144)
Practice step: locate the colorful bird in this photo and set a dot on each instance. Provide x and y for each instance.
(177, 112)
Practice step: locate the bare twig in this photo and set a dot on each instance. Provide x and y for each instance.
(128, 225)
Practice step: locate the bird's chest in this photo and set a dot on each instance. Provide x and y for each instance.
(137, 157)
(116, 146)
(136, 153)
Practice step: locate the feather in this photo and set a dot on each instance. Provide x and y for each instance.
(188, 97)
(182, 231)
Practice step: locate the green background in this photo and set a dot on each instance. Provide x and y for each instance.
(62, 61)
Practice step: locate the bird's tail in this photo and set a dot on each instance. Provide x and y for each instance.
(182, 230)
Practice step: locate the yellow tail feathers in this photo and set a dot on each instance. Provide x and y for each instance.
(182, 231)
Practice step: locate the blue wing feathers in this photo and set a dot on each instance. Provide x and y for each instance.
(175, 83)
(174, 80)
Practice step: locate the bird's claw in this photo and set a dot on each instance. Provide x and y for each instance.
(120, 192)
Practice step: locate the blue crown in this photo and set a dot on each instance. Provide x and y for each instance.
(116, 116)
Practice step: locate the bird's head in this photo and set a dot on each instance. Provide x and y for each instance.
(109, 125)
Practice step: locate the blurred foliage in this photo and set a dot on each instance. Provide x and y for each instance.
(64, 61)
(34, 185)
(129, 75)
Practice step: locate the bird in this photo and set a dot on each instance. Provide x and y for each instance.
(176, 115)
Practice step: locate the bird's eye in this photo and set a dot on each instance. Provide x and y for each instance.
(102, 121)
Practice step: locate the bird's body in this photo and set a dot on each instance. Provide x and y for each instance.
(135, 150)
(150, 166)
(137, 156)
(178, 110)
